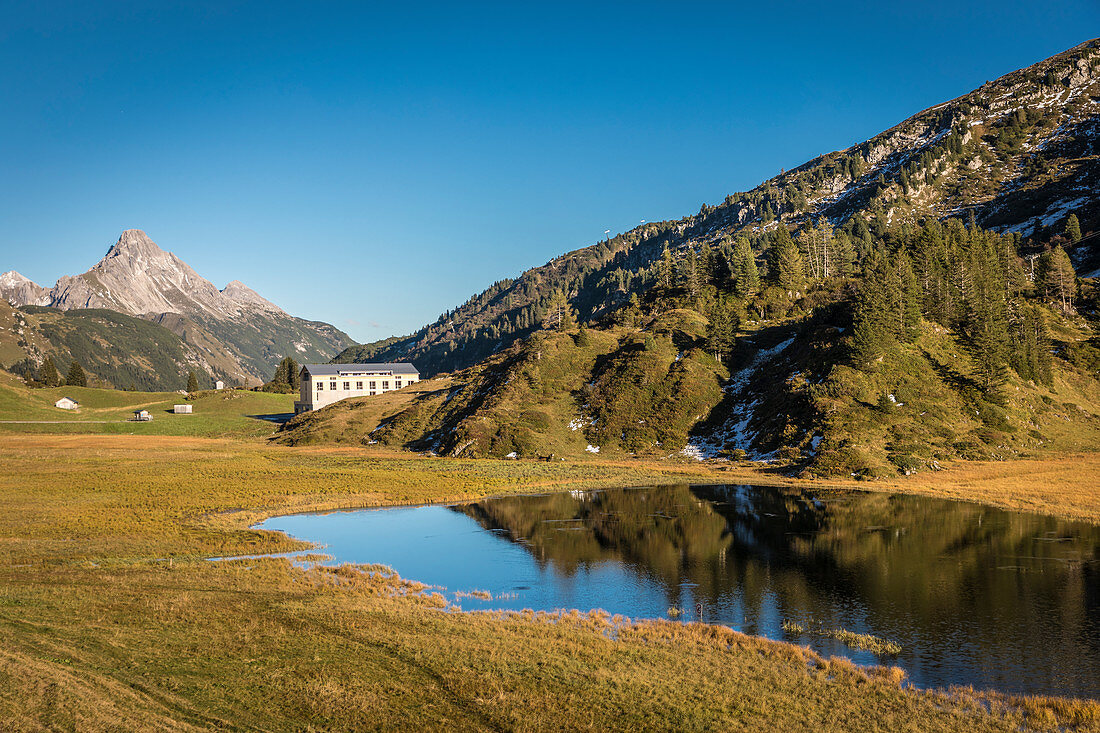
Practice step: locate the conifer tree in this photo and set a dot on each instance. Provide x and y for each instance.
(1030, 354)
(50, 375)
(722, 324)
(294, 373)
(746, 276)
(559, 314)
(1073, 229)
(689, 272)
(909, 299)
(287, 373)
(665, 269)
(1057, 278)
(192, 382)
(707, 262)
(76, 377)
(871, 332)
(582, 339)
(868, 331)
(634, 310)
(787, 264)
(568, 319)
(986, 325)
(842, 255)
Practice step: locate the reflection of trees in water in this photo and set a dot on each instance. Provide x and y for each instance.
(658, 532)
(896, 561)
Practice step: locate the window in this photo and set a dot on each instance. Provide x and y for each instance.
(347, 386)
(385, 384)
(320, 386)
(358, 385)
(372, 386)
(397, 384)
(372, 392)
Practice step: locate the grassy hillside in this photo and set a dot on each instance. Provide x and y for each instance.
(620, 390)
(933, 382)
(115, 350)
(225, 413)
(1021, 152)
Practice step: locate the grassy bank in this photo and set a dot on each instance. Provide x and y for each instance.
(110, 616)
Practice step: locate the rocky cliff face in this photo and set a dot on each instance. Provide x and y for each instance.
(138, 278)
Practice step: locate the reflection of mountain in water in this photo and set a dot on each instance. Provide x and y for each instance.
(1015, 588)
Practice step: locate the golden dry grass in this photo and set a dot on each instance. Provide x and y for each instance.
(110, 618)
(1062, 485)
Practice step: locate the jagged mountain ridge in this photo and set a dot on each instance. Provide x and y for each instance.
(137, 277)
(236, 334)
(1020, 149)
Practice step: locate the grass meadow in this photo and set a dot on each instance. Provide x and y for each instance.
(112, 618)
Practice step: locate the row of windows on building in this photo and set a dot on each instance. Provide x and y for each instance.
(358, 385)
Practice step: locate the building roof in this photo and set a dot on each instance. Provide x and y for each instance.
(323, 370)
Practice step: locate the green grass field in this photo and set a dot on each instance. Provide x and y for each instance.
(235, 413)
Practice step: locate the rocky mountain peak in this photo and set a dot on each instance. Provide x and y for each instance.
(245, 296)
(135, 246)
(16, 288)
(11, 278)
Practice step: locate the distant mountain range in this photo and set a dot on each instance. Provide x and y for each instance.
(1021, 153)
(233, 334)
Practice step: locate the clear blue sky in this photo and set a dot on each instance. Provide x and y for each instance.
(430, 151)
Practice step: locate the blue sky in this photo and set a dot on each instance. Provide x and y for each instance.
(372, 165)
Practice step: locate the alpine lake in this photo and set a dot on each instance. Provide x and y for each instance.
(953, 593)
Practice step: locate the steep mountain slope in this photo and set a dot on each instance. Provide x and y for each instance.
(114, 349)
(850, 317)
(235, 328)
(1021, 153)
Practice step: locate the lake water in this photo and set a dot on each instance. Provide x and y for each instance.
(973, 595)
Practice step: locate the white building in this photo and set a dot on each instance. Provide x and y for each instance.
(66, 404)
(219, 384)
(181, 409)
(323, 384)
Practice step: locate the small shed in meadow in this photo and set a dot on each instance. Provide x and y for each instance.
(142, 416)
(181, 409)
(219, 384)
(66, 404)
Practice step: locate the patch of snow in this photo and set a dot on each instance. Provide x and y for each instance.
(736, 429)
(513, 455)
(693, 451)
(576, 424)
(593, 449)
